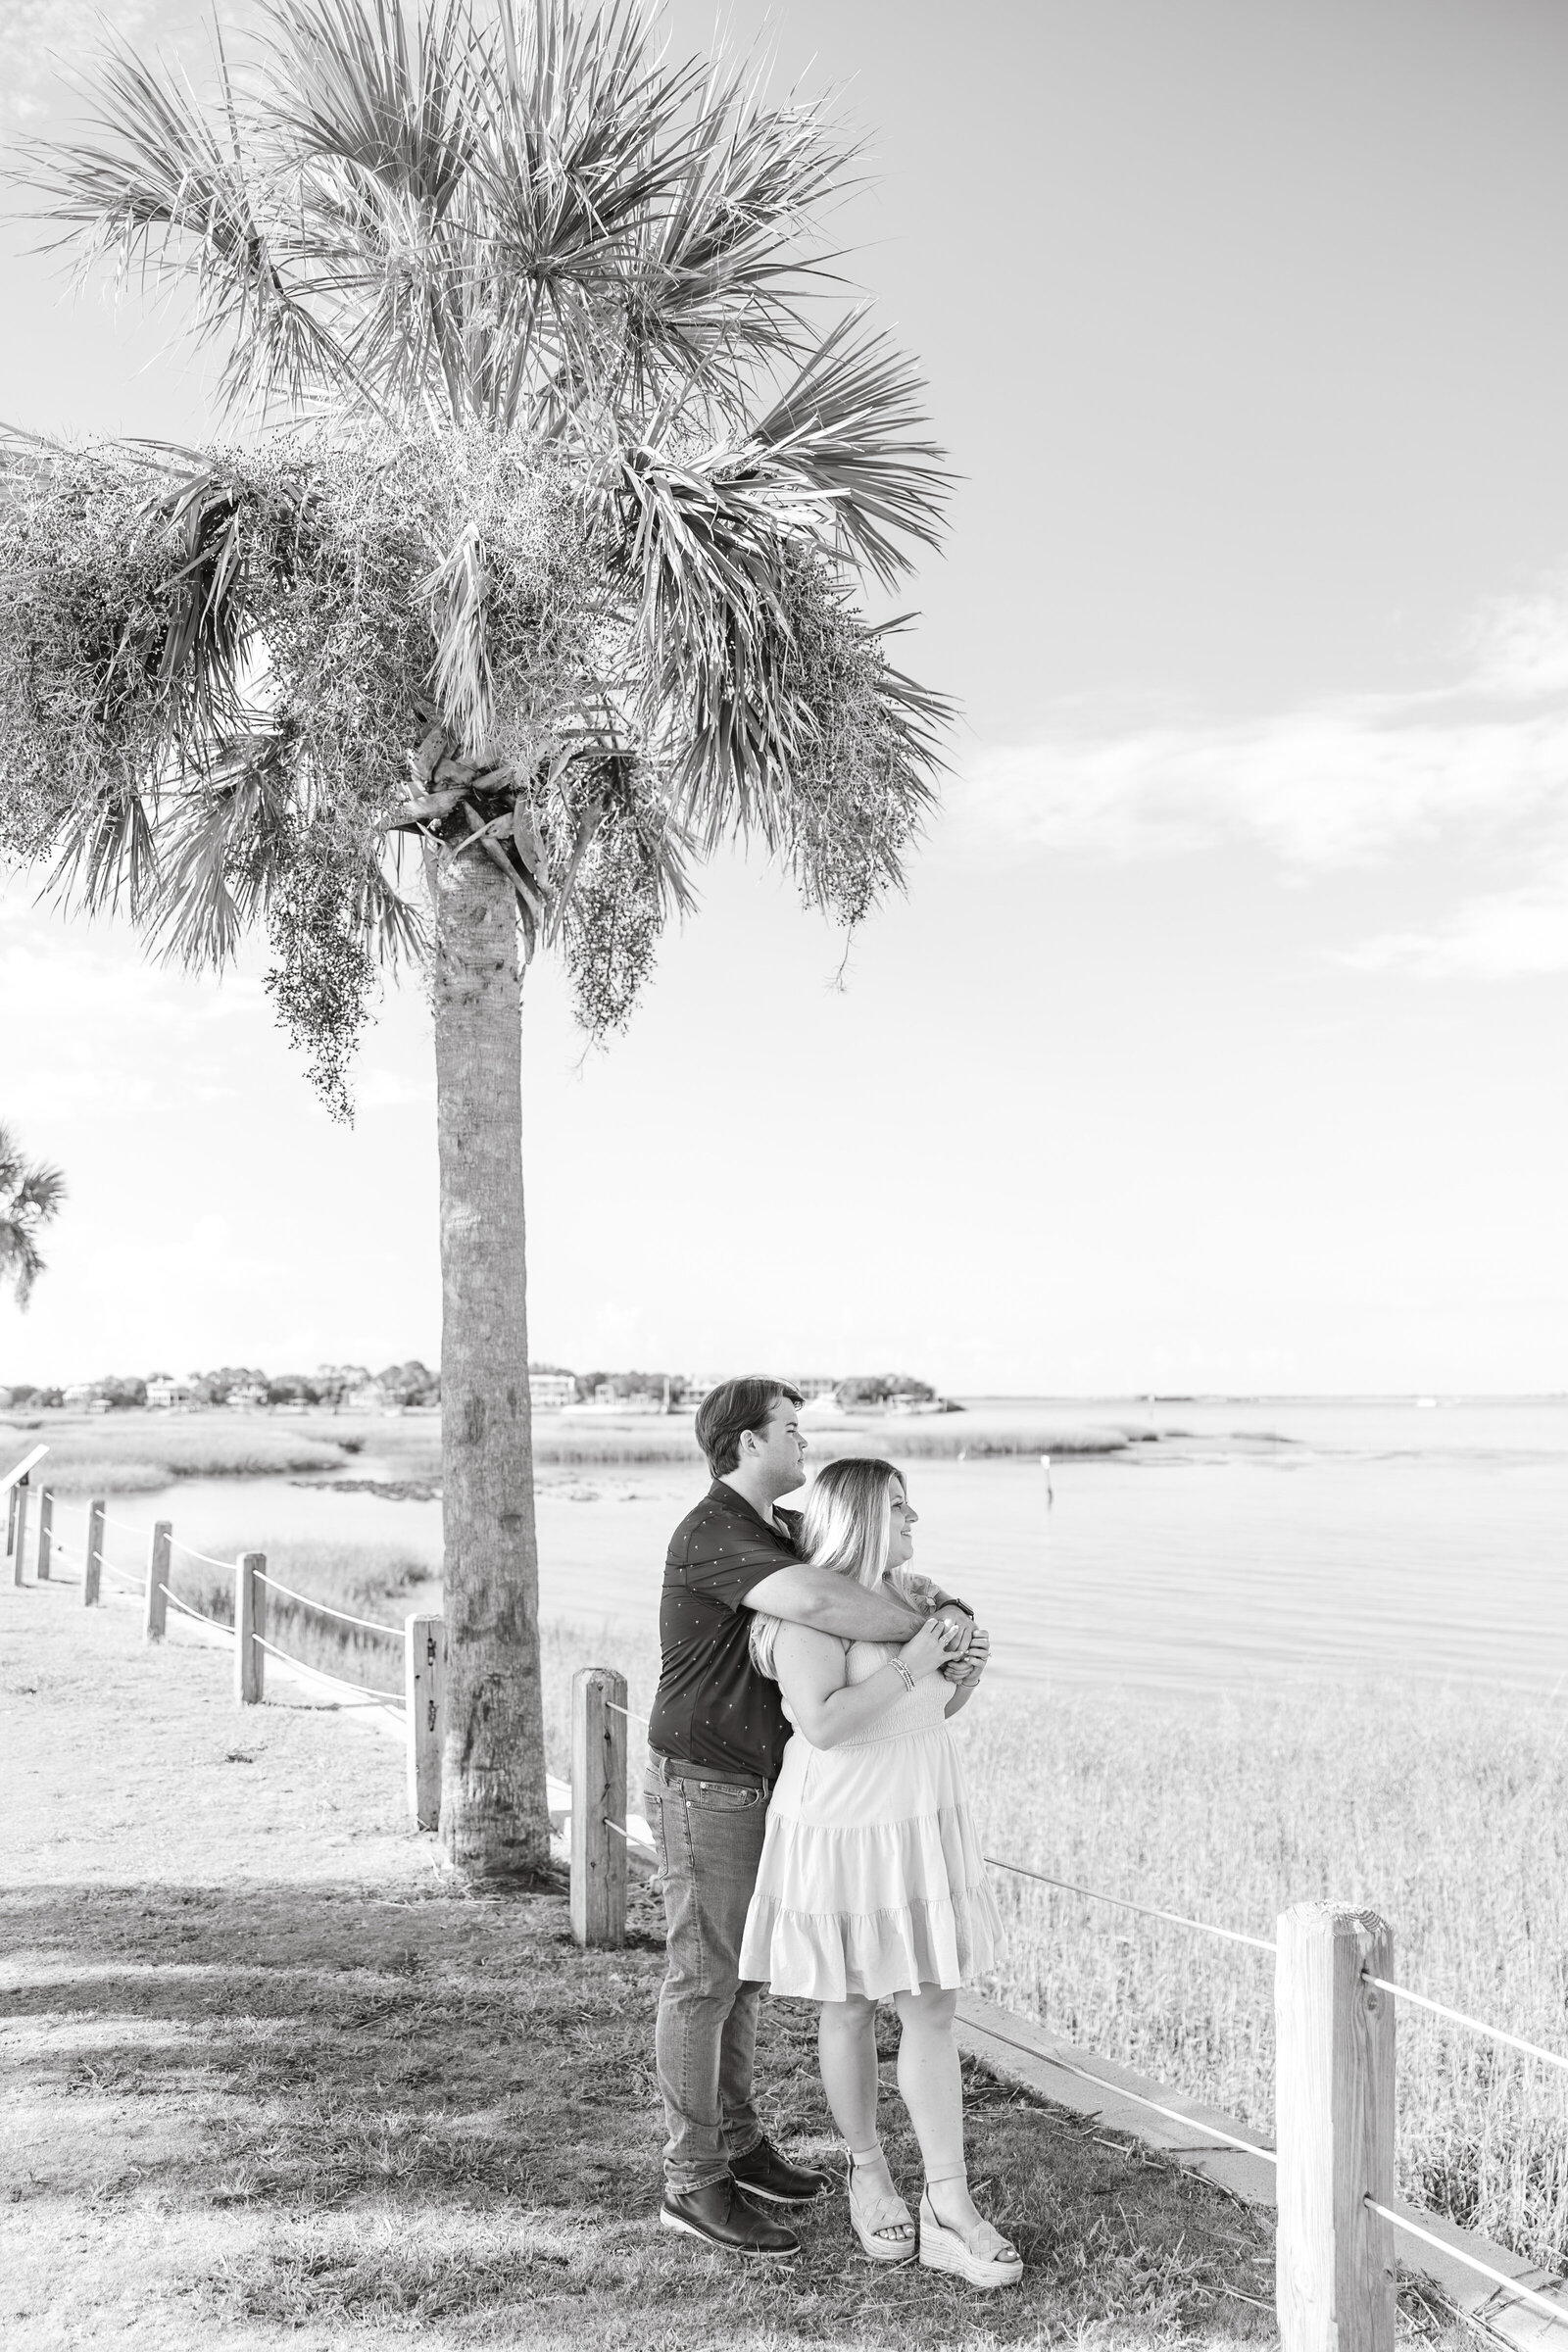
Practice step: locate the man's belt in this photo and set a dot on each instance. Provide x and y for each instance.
(678, 1770)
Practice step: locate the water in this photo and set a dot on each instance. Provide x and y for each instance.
(1264, 1543)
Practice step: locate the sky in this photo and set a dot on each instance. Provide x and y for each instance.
(1217, 1044)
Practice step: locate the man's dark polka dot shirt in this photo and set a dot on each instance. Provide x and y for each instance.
(714, 1707)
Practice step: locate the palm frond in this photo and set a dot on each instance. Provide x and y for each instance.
(464, 686)
(717, 281)
(39, 1195)
(390, 923)
(168, 192)
(30, 1195)
(20, 1260)
(708, 551)
(848, 426)
(229, 846)
(106, 855)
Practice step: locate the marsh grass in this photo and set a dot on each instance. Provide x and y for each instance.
(137, 1452)
(1444, 1810)
(901, 1436)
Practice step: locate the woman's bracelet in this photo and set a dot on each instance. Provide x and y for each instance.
(903, 1673)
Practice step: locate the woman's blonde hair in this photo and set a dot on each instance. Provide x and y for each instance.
(847, 1526)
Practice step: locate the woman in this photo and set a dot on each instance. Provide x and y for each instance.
(871, 1881)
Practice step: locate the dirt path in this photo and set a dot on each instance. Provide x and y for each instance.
(269, 2082)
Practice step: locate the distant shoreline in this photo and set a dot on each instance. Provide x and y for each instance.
(143, 1448)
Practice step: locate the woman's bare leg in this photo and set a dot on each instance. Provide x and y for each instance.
(845, 2041)
(932, 2090)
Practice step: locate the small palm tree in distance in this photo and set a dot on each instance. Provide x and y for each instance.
(30, 1195)
(545, 585)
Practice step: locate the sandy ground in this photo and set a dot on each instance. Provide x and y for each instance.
(132, 1763)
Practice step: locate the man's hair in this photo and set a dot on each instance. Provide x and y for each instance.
(733, 1408)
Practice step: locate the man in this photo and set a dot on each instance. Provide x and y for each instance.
(716, 1736)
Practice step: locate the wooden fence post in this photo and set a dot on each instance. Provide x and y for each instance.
(19, 1491)
(46, 1532)
(249, 1622)
(425, 1693)
(599, 1806)
(92, 1566)
(155, 1610)
(1334, 2107)
(11, 1520)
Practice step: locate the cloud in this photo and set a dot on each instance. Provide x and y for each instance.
(1474, 769)
(44, 36)
(1336, 785)
(1501, 935)
(48, 40)
(94, 1029)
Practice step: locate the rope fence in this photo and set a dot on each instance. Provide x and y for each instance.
(1537, 2301)
(202, 1616)
(206, 1558)
(1473, 2025)
(422, 1638)
(1189, 2123)
(357, 1691)
(1179, 1919)
(325, 1608)
(1205, 1927)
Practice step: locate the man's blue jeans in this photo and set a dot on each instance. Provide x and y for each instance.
(707, 1836)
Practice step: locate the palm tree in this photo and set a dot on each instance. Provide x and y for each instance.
(30, 1195)
(546, 583)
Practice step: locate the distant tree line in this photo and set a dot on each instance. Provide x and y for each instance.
(411, 1383)
(880, 1388)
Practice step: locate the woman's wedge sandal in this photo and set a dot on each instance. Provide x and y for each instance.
(982, 2255)
(881, 2219)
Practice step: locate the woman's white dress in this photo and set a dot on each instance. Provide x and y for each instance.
(872, 1879)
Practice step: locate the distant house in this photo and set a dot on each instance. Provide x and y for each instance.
(367, 1396)
(816, 1384)
(247, 1398)
(83, 1396)
(548, 1392)
(170, 1396)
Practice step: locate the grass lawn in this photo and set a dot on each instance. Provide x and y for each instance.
(269, 2081)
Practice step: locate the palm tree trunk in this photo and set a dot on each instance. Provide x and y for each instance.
(494, 1819)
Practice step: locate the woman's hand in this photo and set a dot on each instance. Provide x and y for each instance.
(929, 1650)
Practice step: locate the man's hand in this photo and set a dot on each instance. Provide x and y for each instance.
(961, 1617)
(972, 1660)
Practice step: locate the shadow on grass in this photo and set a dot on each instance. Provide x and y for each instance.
(436, 2115)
